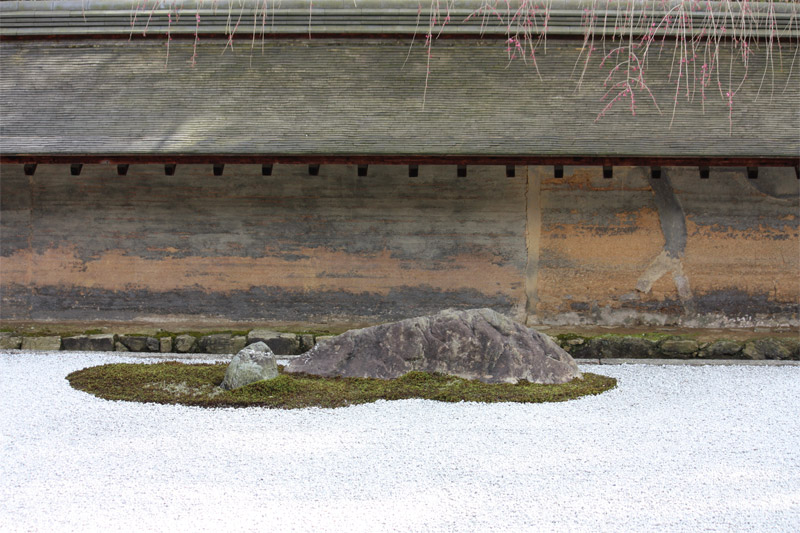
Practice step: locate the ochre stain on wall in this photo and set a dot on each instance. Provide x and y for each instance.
(319, 270)
(762, 264)
(586, 263)
(733, 249)
(582, 249)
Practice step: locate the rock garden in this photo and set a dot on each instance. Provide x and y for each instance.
(476, 355)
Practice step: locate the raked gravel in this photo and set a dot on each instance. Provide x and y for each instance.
(671, 449)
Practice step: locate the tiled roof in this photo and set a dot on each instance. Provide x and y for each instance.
(301, 97)
(382, 17)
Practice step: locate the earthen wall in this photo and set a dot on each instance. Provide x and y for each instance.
(341, 249)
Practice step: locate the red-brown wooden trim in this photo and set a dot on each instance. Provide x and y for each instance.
(186, 159)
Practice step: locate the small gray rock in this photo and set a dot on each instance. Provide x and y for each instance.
(42, 344)
(89, 343)
(185, 343)
(119, 347)
(254, 363)
(678, 347)
(165, 345)
(10, 342)
(279, 343)
(760, 349)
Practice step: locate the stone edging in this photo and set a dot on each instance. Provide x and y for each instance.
(287, 344)
(687, 362)
(678, 347)
(604, 348)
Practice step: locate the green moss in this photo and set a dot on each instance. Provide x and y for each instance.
(563, 337)
(198, 334)
(321, 332)
(178, 383)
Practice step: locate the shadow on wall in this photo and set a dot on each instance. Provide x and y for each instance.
(670, 261)
(776, 188)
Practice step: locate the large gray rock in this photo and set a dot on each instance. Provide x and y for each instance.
(279, 343)
(253, 363)
(475, 344)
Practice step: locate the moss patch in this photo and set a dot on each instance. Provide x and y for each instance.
(178, 383)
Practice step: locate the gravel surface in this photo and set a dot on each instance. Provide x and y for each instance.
(671, 449)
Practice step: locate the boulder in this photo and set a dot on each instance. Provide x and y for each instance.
(279, 343)
(185, 343)
(42, 344)
(255, 362)
(89, 343)
(475, 344)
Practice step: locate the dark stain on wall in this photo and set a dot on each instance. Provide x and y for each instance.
(428, 219)
(261, 303)
(731, 204)
(670, 214)
(293, 247)
(739, 303)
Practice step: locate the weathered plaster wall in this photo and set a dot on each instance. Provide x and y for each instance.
(342, 249)
(288, 247)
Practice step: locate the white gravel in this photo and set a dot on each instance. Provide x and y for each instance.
(671, 449)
